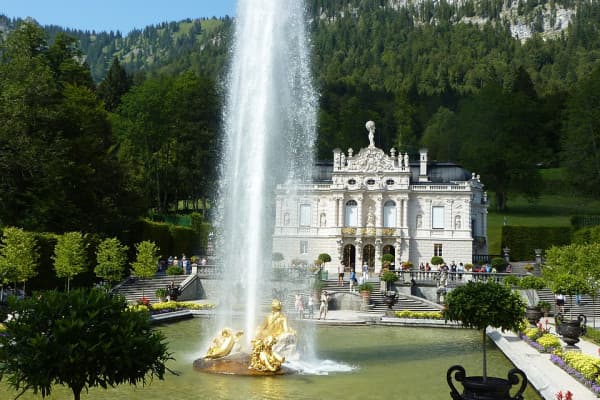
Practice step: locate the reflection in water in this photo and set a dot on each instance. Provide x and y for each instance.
(366, 362)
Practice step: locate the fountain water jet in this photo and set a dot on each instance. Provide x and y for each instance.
(270, 126)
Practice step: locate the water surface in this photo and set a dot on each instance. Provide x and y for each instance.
(386, 363)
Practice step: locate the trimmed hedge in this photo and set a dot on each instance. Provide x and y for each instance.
(523, 240)
(587, 235)
(584, 221)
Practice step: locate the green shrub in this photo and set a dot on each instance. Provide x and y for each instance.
(532, 282)
(511, 280)
(523, 240)
(499, 264)
(365, 287)
(437, 260)
(174, 270)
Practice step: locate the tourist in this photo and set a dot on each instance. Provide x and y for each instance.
(427, 270)
(453, 270)
(461, 270)
(421, 271)
(560, 302)
(340, 269)
(353, 280)
(508, 269)
(299, 304)
(324, 305)
(311, 306)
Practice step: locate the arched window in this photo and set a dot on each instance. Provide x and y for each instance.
(351, 216)
(389, 214)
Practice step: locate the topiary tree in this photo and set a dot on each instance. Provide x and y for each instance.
(81, 339)
(69, 256)
(324, 258)
(146, 260)
(437, 260)
(387, 259)
(498, 263)
(19, 256)
(482, 304)
(111, 257)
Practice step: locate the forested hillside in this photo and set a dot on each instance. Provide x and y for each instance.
(460, 78)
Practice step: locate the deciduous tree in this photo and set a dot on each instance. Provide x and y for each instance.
(81, 339)
(69, 256)
(111, 257)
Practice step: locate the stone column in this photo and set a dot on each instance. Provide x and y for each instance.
(340, 211)
(358, 255)
(359, 210)
(378, 211)
(398, 254)
(378, 263)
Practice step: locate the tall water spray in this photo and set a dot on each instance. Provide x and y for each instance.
(270, 124)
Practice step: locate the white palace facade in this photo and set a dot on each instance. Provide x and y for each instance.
(371, 203)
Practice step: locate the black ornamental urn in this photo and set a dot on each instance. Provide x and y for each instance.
(491, 388)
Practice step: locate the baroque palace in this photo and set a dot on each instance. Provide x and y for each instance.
(371, 203)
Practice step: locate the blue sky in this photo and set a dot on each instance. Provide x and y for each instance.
(106, 15)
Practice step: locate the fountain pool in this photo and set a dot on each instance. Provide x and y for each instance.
(386, 362)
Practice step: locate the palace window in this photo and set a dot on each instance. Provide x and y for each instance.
(371, 182)
(351, 181)
(304, 214)
(437, 217)
(304, 247)
(389, 214)
(351, 217)
(390, 182)
(437, 249)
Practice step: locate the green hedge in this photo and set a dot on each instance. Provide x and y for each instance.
(184, 240)
(170, 239)
(523, 240)
(584, 221)
(587, 235)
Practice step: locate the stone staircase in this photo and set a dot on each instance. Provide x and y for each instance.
(132, 288)
(405, 302)
(587, 306)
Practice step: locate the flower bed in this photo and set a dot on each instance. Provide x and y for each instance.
(540, 338)
(583, 367)
(170, 306)
(419, 314)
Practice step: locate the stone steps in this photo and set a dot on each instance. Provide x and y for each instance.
(133, 288)
(405, 302)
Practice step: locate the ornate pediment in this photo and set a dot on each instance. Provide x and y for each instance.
(370, 159)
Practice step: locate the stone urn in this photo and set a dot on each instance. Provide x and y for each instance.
(533, 314)
(390, 298)
(476, 388)
(571, 329)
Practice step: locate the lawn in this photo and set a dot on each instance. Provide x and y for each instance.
(548, 210)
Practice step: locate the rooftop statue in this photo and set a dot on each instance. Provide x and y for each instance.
(370, 125)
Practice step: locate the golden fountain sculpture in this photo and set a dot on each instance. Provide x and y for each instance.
(273, 339)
